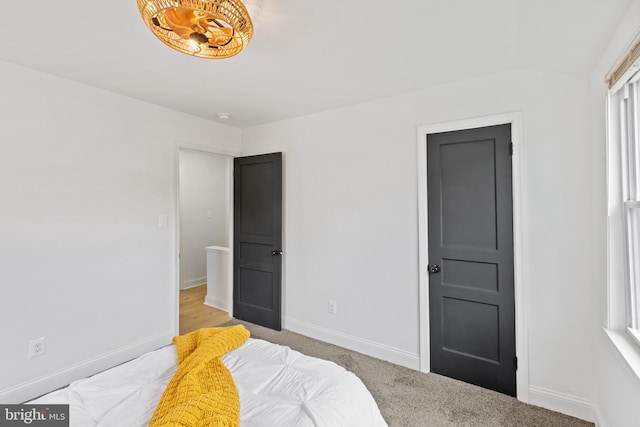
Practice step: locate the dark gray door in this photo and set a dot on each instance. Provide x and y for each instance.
(471, 289)
(257, 243)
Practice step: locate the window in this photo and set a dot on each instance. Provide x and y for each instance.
(629, 191)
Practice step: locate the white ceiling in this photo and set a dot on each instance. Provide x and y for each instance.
(308, 56)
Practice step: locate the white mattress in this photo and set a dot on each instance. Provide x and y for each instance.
(278, 387)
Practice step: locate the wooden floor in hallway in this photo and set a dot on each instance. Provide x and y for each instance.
(194, 314)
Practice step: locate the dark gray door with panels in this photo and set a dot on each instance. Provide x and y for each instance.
(471, 274)
(257, 243)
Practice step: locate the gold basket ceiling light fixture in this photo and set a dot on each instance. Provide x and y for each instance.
(203, 28)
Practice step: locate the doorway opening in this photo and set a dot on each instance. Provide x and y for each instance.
(204, 238)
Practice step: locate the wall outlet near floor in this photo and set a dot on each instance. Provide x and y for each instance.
(37, 347)
(333, 307)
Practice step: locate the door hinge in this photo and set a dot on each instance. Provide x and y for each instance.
(515, 363)
(511, 148)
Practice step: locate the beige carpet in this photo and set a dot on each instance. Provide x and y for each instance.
(408, 398)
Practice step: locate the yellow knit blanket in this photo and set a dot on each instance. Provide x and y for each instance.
(202, 391)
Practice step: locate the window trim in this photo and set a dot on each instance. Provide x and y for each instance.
(623, 197)
(635, 335)
(629, 170)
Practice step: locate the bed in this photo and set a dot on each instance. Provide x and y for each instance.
(277, 386)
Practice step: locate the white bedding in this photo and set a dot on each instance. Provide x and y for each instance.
(278, 387)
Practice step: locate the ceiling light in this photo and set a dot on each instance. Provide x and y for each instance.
(224, 116)
(203, 28)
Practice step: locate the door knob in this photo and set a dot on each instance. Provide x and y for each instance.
(433, 269)
(276, 252)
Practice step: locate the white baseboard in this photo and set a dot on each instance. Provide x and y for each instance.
(216, 303)
(63, 377)
(188, 284)
(598, 418)
(562, 402)
(370, 348)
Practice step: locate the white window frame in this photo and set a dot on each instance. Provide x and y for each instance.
(624, 200)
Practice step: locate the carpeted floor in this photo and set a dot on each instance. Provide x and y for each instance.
(409, 398)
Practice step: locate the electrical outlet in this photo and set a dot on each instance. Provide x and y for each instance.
(37, 347)
(333, 307)
(162, 221)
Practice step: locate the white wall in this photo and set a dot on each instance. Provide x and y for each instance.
(618, 387)
(203, 189)
(352, 233)
(84, 174)
(220, 278)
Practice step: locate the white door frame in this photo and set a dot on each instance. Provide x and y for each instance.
(204, 149)
(520, 285)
